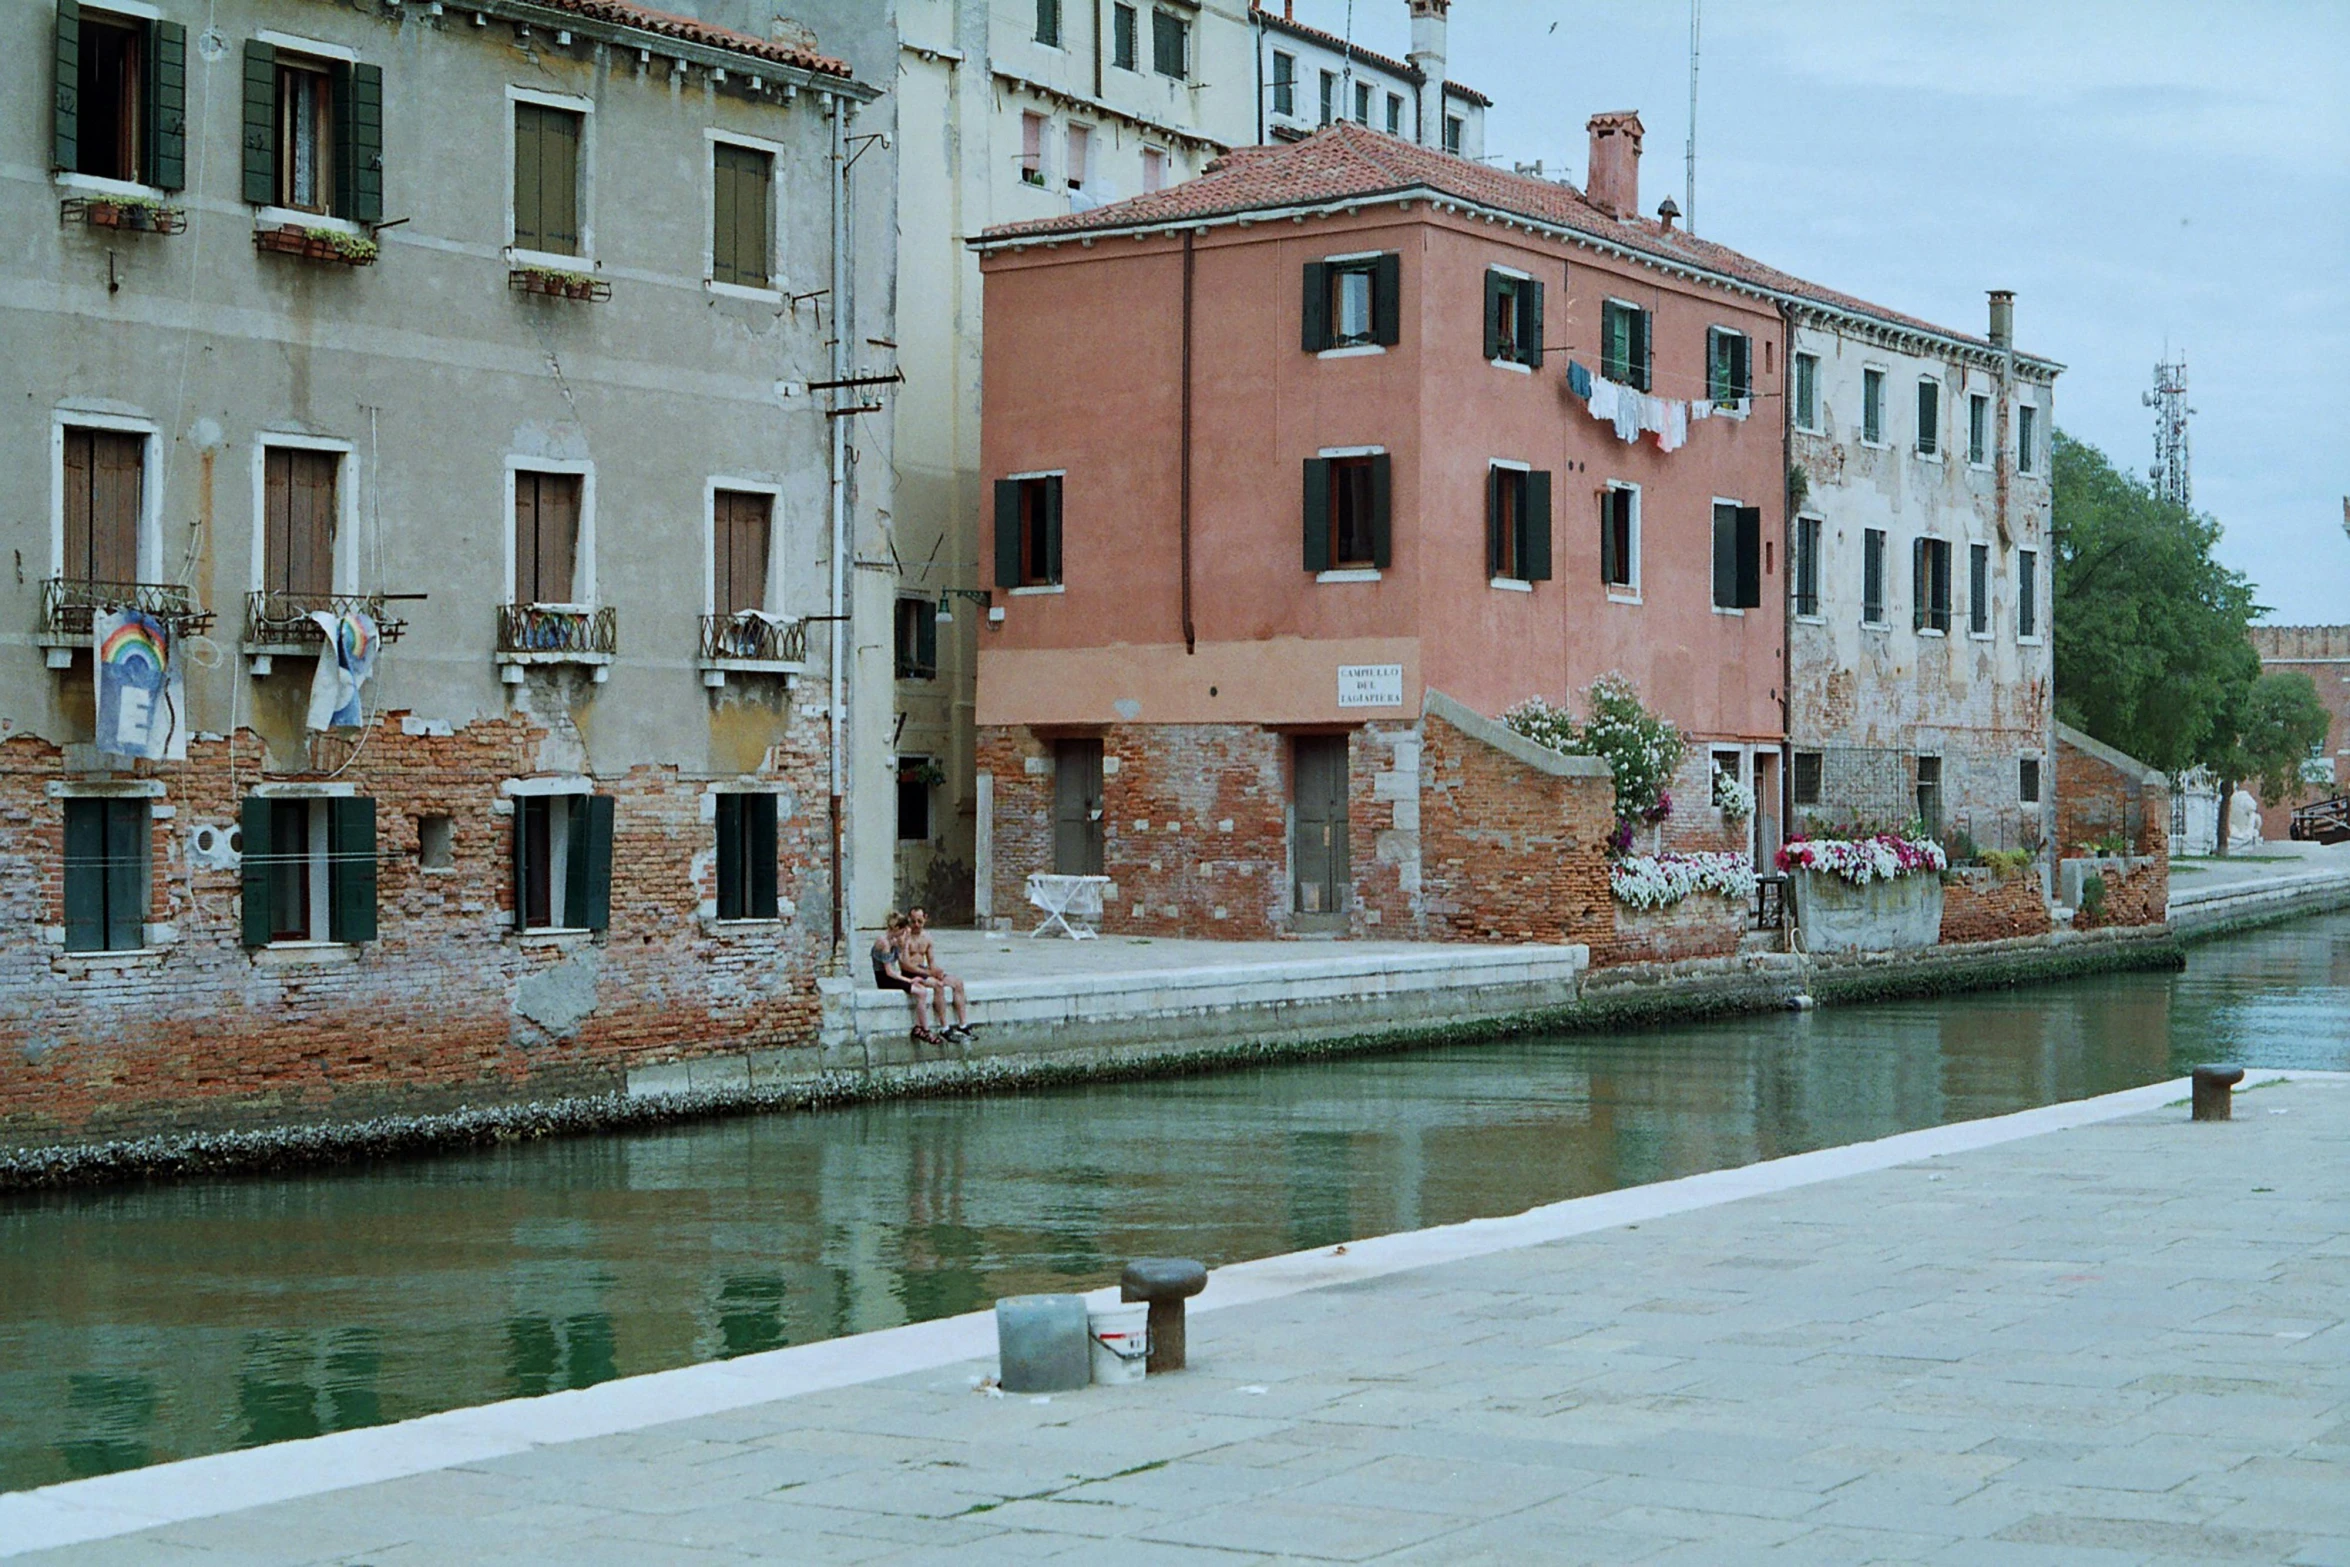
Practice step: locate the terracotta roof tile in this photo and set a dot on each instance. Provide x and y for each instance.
(690, 30)
(1410, 73)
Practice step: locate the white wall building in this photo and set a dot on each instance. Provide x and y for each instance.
(1308, 78)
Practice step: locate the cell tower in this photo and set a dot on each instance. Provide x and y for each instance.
(2172, 479)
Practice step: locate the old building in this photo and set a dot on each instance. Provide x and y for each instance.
(486, 333)
(2323, 654)
(1283, 456)
(1309, 78)
(1921, 591)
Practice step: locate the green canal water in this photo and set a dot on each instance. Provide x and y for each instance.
(142, 1325)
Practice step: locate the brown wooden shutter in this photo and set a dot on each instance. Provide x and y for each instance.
(546, 537)
(739, 546)
(299, 513)
(740, 182)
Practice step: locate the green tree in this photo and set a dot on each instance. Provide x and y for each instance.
(2274, 725)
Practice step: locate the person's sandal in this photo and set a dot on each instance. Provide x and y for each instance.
(923, 1036)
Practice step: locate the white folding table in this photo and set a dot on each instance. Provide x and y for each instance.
(1060, 897)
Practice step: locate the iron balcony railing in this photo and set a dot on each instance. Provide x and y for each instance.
(558, 631)
(279, 619)
(69, 606)
(758, 638)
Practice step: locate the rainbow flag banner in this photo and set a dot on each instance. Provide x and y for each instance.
(343, 667)
(142, 697)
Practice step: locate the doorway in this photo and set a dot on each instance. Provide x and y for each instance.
(1318, 847)
(1077, 807)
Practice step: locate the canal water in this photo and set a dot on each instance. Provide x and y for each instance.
(142, 1325)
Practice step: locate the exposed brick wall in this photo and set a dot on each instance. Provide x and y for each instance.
(1702, 925)
(2323, 654)
(1508, 853)
(1984, 906)
(2095, 798)
(448, 1005)
(2137, 892)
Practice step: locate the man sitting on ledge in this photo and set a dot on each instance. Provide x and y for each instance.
(921, 963)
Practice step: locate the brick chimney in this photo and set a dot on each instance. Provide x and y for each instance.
(1427, 57)
(1614, 184)
(2003, 318)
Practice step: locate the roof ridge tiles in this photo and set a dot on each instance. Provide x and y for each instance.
(687, 29)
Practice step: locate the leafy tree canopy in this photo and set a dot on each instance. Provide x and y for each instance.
(2274, 728)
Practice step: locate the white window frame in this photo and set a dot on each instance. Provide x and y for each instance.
(770, 592)
(1631, 594)
(585, 108)
(1917, 436)
(66, 417)
(1884, 620)
(1711, 509)
(584, 563)
(2039, 598)
(1509, 584)
(566, 789)
(1516, 276)
(1358, 350)
(2025, 456)
(715, 138)
(1990, 457)
(1804, 355)
(1884, 374)
(1350, 573)
(1950, 599)
(346, 573)
(99, 184)
(1041, 589)
(1990, 605)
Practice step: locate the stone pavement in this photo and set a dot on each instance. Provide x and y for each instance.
(989, 955)
(2118, 1342)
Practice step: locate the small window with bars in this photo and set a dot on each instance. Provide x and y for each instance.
(1803, 778)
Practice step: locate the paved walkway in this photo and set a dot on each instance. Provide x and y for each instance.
(2118, 1341)
(2270, 861)
(980, 955)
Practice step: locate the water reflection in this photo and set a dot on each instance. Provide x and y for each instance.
(156, 1324)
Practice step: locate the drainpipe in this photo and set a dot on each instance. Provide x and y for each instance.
(1257, 21)
(1787, 578)
(1097, 50)
(838, 482)
(1190, 270)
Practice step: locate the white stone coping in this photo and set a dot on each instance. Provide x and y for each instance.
(2120, 761)
(103, 1507)
(1493, 732)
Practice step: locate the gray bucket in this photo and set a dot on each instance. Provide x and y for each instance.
(1042, 1343)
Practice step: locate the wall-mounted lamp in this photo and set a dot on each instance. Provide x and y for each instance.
(947, 597)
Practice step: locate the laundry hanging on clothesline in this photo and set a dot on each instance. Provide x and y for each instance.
(1635, 413)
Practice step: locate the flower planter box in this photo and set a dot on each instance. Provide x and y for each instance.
(138, 217)
(1894, 915)
(557, 285)
(287, 240)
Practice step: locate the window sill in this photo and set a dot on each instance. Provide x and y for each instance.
(1352, 351)
(2027, 641)
(99, 185)
(1349, 574)
(1811, 620)
(1725, 609)
(1978, 466)
(556, 936)
(1979, 636)
(1512, 365)
(86, 965)
(512, 665)
(295, 217)
(548, 260)
(1809, 429)
(1737, 409)
(1623, 596)
(1038, 591)
(1930, 631)
(1875, 446)
(1876, 625)
(764, 296)
(1511, 584)
(1933, 457)
(712, 925)
(715, 670)
(301, 954)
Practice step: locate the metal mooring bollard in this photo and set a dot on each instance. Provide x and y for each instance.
(1166, 1283)
(2213, 1096)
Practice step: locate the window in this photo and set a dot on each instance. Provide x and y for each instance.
(1729, 366)
(1807, 391)
(1929, 417)
(1346, 513)
(1032, 149)
(742, 184)
(1737, 556)
(1929, 794)
(108, 846)
(1170, 45)
(1872, 407)
(1872, 577)
(1028, 532)
(1978, 589)
(742, 530)
(1807, 565)
(746, 857)
(1154, 169)
(2027, 438)
(1930, 585)
(1362, 103)
(313, 133)
(2027, 593)
(1048, 22)
(105, 504)
(1803, 778)
(546, 537)
(120, 109)
(1978, 429)
(436, 842)
(299, 514)
(2027, 780)
(1623, 344)
(309, 869)
(914, 799)
(546, 179)
(1452, 134)
(1080, 146)
(563, 862)
(1329, 96)
(917, 639)
(1395, 114)
(1123, 47)
(1513, 318)
(1351, 302)
(1284, 83)
(1619, 538)
(305, 136)
(1517, 524)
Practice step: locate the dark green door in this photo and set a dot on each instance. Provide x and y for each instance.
(1318, 843)
(1077, 807)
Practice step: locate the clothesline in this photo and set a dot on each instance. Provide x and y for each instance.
(1751, 394)
(1635, 413)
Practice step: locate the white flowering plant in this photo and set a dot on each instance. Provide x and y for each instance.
(1642, 750)
(1732, 798)
(1656, 881)
(1883, 857)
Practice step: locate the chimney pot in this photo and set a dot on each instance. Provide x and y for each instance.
(2003, 318)
(1667, 211)
(1428, 58)
(1614, 185)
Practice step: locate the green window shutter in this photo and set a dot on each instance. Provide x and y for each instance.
(1725, 559)
(722, 194)
(359, 143)
(1717, 365)
(522, 866)
(350, 880)
(559, 182)
(260, 124)
(529, 127)
(1917, 584)
(1640, 349)
(253, 830)
(85, 875)
(1382, 524)
(1530, 324)
(730, 856)
(1052, 528)
(1749, 557)
(1007, 535)
(1314, 309)
(167, 106)
(759, 851)
(1495, 286)
(926, 637)
(1493, 483)
(1387, 299)
(1317, 516)
(65, 125)
(1609, 569)
(1534, 541)
(127, 848)
(587, 893)
(1742, 367)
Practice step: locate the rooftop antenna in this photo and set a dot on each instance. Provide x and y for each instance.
(1689, 186)
(2173, 479)
(1346, 92)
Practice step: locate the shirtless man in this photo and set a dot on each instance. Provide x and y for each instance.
(921, 962)
(890, 972)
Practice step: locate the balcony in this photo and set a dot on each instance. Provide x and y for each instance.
(278, 623)
(751, 643)
(541, 634)
(68, 608)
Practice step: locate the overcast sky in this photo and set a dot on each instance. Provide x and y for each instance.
(2137, 170)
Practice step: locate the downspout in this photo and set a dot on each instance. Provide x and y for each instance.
(1190, 269)
(1097, 50)
(1257, 17)
(1787, 578)
(838, 482)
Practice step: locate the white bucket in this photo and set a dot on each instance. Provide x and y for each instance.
(1121, 1339)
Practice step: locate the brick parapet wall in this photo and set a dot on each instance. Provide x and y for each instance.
(449, 1004)
(2137, 892)
(2094, 798)
(1507, 852)
(1985, 906)
(1702, 925)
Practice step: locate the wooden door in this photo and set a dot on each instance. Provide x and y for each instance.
(298, 514)
(546, 537)
(740, 522)
(1318, 847)
(105, 495)
(1077, 807)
